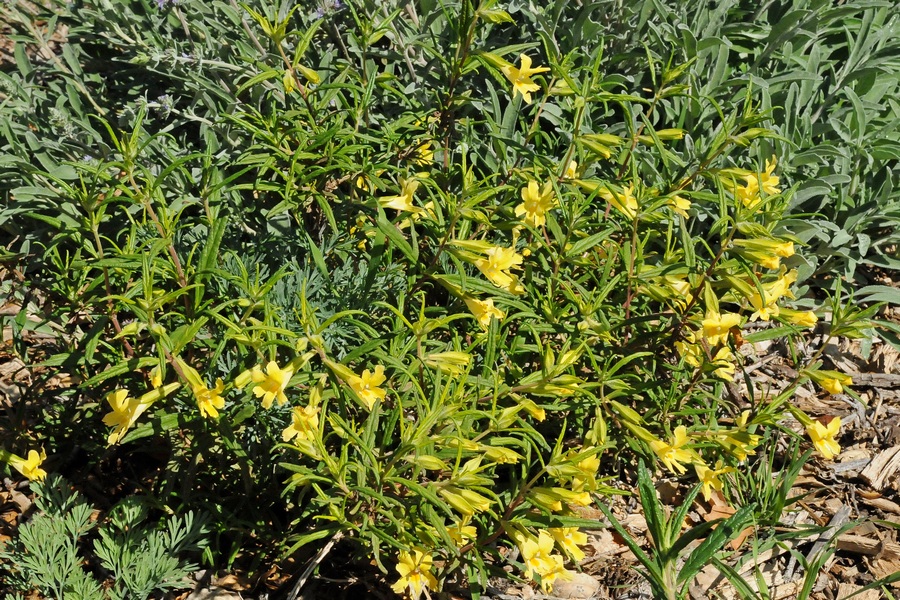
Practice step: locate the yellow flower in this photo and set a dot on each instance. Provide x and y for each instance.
(210, 399)
(304, 424)
(538, 558)
(156, 377)
(403, 202)
(679, 205)
(29, 467)
(535, 204)
(571, 170)
(690, 350)
(270, 384)
(716, 327)
(366, 386)
(724, 366)
(672, 455)
(765, 181)
(461, 533)
(483, 311)
(499, 260)
(415, 573)
(710, 477)
(423, 154)
(835, 385)
(767, 253)
(569, 538)
(521, 77)
(799, 317)
(623, 201)
(125, 413)
(823, 437)
(588, 477)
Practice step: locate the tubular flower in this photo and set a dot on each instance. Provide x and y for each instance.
(366, 386)
(569, 539)
(767, 253)
(484, 311)
(623, 201)
(690, 350)
(535, 204)
(710, 477)
(571, 170)
(835, 385)
(717, 326)
(765, 181)
(521, 77)
(461, 533)
(270, 384)
(803, 318)
(415, 573)
(125, 413)
(209, 400)
(304, 424)
(679, 205)
(403, 202)
(29, 467)
(823, 437)
(724, 365)
(672, 455)
(499, 260)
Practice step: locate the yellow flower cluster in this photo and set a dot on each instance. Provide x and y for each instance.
(538, 557)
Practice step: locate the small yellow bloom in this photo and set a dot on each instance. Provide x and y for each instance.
(403, 202)
(749, 194)
(304, 424)
(535, 204)
(724, 365)
(835, 385)
(29, 467)
(423, 154)
(717, 326)
(624, 201)
(366, 386)
(710, 477)
(803, 318)
(499, 260)
(823, 437)
(571, 170)
(690, 350)
(461, 533)
(156, 377)
(270, 384)
(569, 539)
(125, 413)
(679, 205)
(588, 477)
(521, 77)
(415, 573)
(209, 400)
(672, 455)
(484, 311)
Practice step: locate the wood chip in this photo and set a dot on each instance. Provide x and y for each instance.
(888, 562)
(859, 544)
(882, 468)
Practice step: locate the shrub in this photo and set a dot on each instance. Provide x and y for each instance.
(434, 264)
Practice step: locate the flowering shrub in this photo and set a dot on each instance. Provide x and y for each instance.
(440, 306)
